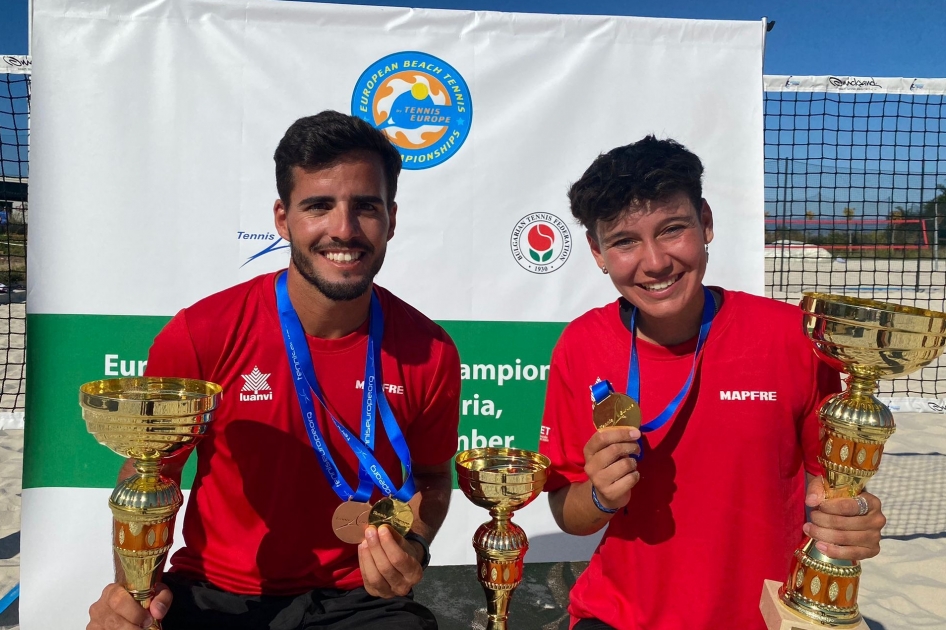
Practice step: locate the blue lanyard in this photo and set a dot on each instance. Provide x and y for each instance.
(634, 373)
(370, 471)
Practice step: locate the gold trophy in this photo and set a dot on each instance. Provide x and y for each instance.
(146, 419)
(502, 480)
(867, 340)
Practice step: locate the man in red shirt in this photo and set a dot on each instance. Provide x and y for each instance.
(709, 501)
(310, 359)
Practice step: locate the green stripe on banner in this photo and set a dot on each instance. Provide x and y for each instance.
(505, 370)
(65, 351)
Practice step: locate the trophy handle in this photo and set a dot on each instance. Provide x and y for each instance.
(143, 507)
(854, 427)
(500, 546)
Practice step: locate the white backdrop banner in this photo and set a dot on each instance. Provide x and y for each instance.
(155, 127)
(152, 186)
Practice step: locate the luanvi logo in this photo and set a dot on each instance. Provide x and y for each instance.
(257, 383)
(854, 83)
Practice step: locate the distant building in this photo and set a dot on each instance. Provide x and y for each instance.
(13, 195)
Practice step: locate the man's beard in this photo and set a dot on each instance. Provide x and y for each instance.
(336, 291)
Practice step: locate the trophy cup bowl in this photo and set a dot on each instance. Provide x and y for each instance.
(147, 419)
(868, 340)
(501, 480)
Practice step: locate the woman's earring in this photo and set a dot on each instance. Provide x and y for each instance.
(604, 270)
(706, 249)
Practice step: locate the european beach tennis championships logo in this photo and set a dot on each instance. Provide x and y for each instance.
(420, 102)
(541, 242)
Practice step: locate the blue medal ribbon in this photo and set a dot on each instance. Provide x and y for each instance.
(634, 373)
(370, 472)
(602, 389)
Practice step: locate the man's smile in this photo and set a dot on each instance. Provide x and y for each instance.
(347, 256)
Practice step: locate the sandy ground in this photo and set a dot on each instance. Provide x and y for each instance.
(900, 589)
(11, 473)
(12, 351)
(906, 282)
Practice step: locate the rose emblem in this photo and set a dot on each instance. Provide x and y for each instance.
(541, 239)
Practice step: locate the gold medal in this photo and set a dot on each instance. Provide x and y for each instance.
(396, 514)
(616, 410)
(350, 520)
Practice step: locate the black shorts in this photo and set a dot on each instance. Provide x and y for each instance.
(591, 624)
(202, 606)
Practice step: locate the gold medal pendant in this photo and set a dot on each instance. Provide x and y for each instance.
(391, 512)
(616, 410)
(350, 520)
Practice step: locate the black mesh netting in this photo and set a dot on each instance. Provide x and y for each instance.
(855, 203)
(14, 177)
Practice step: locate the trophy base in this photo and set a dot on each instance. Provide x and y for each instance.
(778, 616)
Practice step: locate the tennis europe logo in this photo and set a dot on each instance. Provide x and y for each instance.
(420, 102)
(541, 242)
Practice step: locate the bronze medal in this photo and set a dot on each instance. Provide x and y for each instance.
(396, 514)
(350, 520)
(616, 410)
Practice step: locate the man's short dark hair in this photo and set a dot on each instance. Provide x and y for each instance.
(322, 140)
(646, 170)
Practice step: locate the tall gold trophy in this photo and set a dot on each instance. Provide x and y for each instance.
(502, 480)
(147, 419)
(867, 340)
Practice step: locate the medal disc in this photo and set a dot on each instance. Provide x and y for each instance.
(350, 520)
(616, 410)
(396, 514)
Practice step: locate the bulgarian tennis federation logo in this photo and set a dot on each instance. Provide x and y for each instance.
(421, 103)
(541, 242)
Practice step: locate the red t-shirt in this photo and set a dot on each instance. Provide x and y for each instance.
(259, 515)
(720, 502)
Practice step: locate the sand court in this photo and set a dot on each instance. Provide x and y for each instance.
(11, 487)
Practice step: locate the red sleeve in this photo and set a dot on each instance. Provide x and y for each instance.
(824, 382)
(564, 435)
(173, 353)
(432, 436)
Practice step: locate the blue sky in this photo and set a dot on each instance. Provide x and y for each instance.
(867, 38)
(840, 37)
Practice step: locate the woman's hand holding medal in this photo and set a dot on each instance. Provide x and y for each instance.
(610, 464)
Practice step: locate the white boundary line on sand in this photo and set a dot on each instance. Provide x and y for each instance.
(11, 420)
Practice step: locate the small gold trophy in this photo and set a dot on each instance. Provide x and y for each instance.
(502, 480)
(146, 419)
(868, 340)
